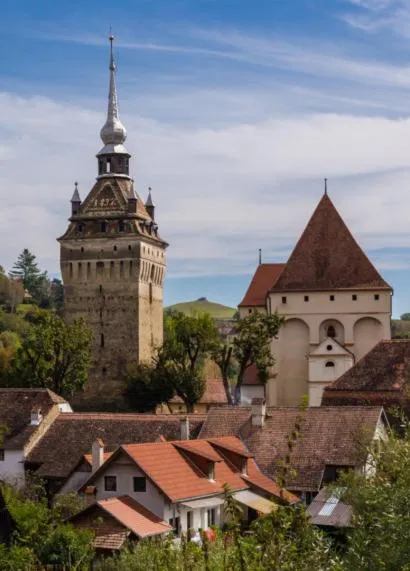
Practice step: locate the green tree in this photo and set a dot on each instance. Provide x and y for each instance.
(11, 292)
(26, 269)
(53, 354)
(178, 367)
(251, 346)
(405, 317)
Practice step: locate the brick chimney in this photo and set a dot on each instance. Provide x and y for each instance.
(258, 412)
(97, 454)
(185, 428)
(36, 417)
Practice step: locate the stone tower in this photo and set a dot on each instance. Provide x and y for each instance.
(113, 264)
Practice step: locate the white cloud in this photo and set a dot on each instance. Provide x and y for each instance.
(221, 192)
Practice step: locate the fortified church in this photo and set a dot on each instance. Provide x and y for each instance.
(113, 263)
(337, 307)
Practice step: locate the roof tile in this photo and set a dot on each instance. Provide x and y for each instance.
(263, 280)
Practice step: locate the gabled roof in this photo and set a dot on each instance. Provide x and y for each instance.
(129, 514)
(327, 257)
(337, 349)
(16, 406)
(72, 434)
(172, 468)
(214, 393)
(382, 376)
(263, 280)
(328, 435)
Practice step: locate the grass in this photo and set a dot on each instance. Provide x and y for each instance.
(202, 305)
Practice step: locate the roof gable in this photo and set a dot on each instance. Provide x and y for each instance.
(327, 257)
(263, 280)
(336, 350)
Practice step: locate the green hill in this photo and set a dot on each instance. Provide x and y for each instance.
(202, 305)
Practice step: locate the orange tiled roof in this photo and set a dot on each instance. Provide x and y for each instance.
(89, 457)
(263, 280)
(327, 257)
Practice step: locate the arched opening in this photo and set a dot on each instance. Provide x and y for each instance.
(367, 332)
(332, 329)
(329, 364)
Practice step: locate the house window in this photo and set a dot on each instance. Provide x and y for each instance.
(354, 297)
(139, 484)
(110, 483)
(249, 310)
(331, 331)
(332, 298)
(211, 515)
(376, 296)
(284, 299)
(1, 454)
(329, 364)
(175, 522)
(306, 298)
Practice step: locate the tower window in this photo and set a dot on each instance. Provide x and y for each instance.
(121, 226)
(354, 297)
(129, 247)
(108, 165)
(104, 370)
(331, 331)
(80, 227)
(100, 269)
(306, 298)
(82, 249)
(121, 269)
(102, 340)
(115, 248)
(103, 227)
(329, 364)
(284, 299)
(376, 297)
(332, 298)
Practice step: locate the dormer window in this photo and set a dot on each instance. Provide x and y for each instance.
(244, 466)
(211, 470)
(139, 484)
(110, 483)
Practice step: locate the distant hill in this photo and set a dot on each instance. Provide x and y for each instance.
(202, 305)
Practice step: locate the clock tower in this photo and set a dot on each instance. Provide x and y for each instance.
(113, 264)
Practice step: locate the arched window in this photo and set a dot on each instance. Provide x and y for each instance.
(331, 331)
(329, 364)
(102, 340)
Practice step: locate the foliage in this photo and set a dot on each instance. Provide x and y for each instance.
(26, 269)
(251, 346)
(11, 292)
(53, 354)
(405, 317)
(177, 368)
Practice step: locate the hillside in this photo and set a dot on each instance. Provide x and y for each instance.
(202, 305)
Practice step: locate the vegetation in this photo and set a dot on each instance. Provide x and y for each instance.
(202, 305)
(50, 354)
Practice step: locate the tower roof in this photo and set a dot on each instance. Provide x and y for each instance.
(76, 194)
(149, 201)
(113, 133)
(327, 257)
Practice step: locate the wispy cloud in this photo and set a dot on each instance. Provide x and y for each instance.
(376, 16)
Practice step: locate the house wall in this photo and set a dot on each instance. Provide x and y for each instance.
(360, 324)
(249, 392)
(12, 468)
(125, 470)
(74, 482)
(320, 376)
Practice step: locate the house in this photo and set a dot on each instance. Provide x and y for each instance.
(59, 456)
(214, 395)
(314, 443)
(182, 482)
(118, 520)
(380, 378)
(26, 415)
(336, 305)
(252, 387)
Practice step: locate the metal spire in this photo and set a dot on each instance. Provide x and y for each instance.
(260, 256)
(325, 186)
(76, 194)
(113, 133)
(149, 199)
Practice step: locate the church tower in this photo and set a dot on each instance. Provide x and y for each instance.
(113, 263)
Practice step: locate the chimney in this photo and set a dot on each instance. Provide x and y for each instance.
(258, 411)
(185, 428)
(35, 417)
(97, 454)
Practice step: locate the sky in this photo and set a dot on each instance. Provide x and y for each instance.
(236, 110)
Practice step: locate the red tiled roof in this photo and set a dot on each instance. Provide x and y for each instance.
(251, 376)
(263, 280)
(214, 393)
(327, 257)
(328, 435)
(72, 434)
(89, 458)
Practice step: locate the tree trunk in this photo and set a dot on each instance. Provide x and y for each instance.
(237, 393)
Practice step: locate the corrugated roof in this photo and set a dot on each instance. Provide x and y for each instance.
(327, 257)
(263, 280)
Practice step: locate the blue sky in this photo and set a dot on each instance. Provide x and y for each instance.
(235, 111)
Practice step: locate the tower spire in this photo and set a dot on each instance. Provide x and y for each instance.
(326, 186)
(113, 132)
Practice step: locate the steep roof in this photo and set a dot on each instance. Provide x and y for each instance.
(16, 406)
(72, 435)
(327, 257)
(214, 393)
(382, 376)
(263, 280)
(328, 436)
(127, 516)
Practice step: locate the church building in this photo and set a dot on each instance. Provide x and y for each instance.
(336, 306)
(113, 263)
